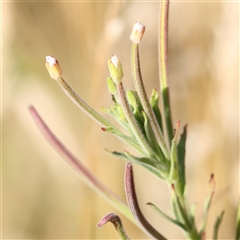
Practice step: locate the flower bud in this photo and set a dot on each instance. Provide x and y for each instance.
(111, 86)
(137, 33)
(53, 67)
(115, 69)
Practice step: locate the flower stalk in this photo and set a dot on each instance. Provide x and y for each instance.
(163, 67)
(139, 85)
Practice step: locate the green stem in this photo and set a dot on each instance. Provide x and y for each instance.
(163, 67)
(183, 214)
(95, 115)
(137, 78)
(132, 121)
(238, 222)
(80, 103)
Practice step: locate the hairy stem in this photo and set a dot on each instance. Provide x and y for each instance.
(134, 206)
(163, 66)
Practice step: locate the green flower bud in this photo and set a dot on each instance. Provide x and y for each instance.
(115, 69)
(111, 86)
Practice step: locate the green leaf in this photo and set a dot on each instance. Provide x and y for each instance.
(160, 212)
(181, 160)
(173, 176)
(179, 211)
(136, 106)
(117, 113)
(238, 222)
(134, 101)
(111, 86)
(154, 99)
(144, 162)
(217, 225)
(207, 203)
(157, 168)
(152, 139)
(126, 139)
(192, 212)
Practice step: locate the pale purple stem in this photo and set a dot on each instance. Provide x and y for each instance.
(116, 221)
(134, 206)
(84, 173)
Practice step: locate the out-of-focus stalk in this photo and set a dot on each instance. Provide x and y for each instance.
(81, 170)
(163, 67)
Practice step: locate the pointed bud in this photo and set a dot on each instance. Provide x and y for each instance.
(137, 33)
(176, 131)
(115, 69)
(134, 101)
(53, 67)
(212, 183)
(111, 86)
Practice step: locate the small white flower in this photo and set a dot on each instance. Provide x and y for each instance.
(137, 33)
(53, 67)
(115, 61)
(51, 60)
(138, 27)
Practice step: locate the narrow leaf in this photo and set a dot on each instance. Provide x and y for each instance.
(136, 106)
(152, 139)
(144, 162)
(154, 101)
(238, 222)
(160, 212)
(156, 168)
(207, 203)
(181, 160)
(173, 176)
(128, 140)
(217, 225)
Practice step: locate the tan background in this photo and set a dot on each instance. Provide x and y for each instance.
(41, 197)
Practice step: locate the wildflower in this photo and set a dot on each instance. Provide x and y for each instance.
(137, 33)
(53, 67)
(115, 69)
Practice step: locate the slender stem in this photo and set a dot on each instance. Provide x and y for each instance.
(95, 115)
(81, 104)
(163, 66)
(208, 203)
(134, 206)
(183, 215)
(137, 78)
(79, 168)
(132, 121)
(238, 222)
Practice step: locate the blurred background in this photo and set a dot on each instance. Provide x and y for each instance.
(42, 198)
